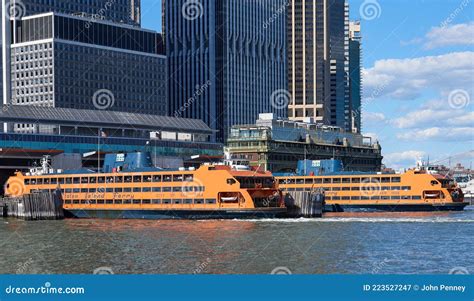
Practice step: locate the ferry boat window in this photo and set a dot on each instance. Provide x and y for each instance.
(397, 197)
(327, 180)
(365, 180)
(365, 198)
(416, 197)
(156, 189)
(188, 189)
(92, 180)
(146, 189)
(127, 201)
(300, 189)
(385, 188)
(396, 188)
(110, 179)
(118, 189)
(187, 201)
(46, 181)
(166, 189)
(336, 198)
(84, 180)
(61, 180)
(167, 178)
(137, 202)
(345, 198)
(336, 189)
(118, 202)
(109, 190)
(92, 202)
(63, 191)
(346, 189)
(127, 179)
(291, 189)
(406, 188)
(137, 179)
(355, 198)
(308, 181)
(375, 197)
(396, 180)
(177, 201)
(69, 190)
(405, 197)
(118, 179)
(92, 190)
(188, 178)
(385, 198)
(101, 189)
(346, 180)
(156, 178)
(200, 188)
(318, 181)
(54, 181)
(177, 178)
(177, 189)
(299, 181)
(385, 180)
(75, 202)
(84, 190)
(336, 180)
(210, 201)
(137, 189)
(375, 180)
(290, 181)
(355, 188)
(101, 180)
(27, 182)
(146, 202)
(67, 202)
(328, 198)
(76, 180)
(147, 179)
(156, 201)
(39, 181)
(355, 180)
(166, 201)
(199, 201)
(127, 189)
(109, 202)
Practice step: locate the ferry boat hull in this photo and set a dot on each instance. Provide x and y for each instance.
(176, 214)
(395, 208)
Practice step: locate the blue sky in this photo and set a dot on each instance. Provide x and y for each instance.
(418, 76)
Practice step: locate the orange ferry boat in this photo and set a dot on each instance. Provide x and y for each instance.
(415, 190)
(129, 189)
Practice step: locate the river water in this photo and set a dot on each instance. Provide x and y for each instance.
(343, 243)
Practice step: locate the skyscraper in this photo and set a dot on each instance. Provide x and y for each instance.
(226, 60)
(355, 75)
(317, 61)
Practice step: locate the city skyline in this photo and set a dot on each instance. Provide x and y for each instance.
(401, 34)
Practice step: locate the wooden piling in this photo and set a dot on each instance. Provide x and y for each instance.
(36, 206)
(304, 203)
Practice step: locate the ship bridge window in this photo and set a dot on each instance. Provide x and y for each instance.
(156, 178)
(167, 178)
(101, 180)
(355, 180)
(346, 180)
(177, 178)
(68, 180)
(336, 180)
(119, 179)
(137, 179)
(84, 180)
(92, 180)
(127, 179)
(396, 180)
(385, 180)
(46, 181)
(327, 180)
(147, 179)
(76, 180)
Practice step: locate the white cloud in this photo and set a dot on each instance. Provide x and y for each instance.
(451, 35)
(374, 136)
(403, 159)
(437, 133)
(369, 117)
(410, 78)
